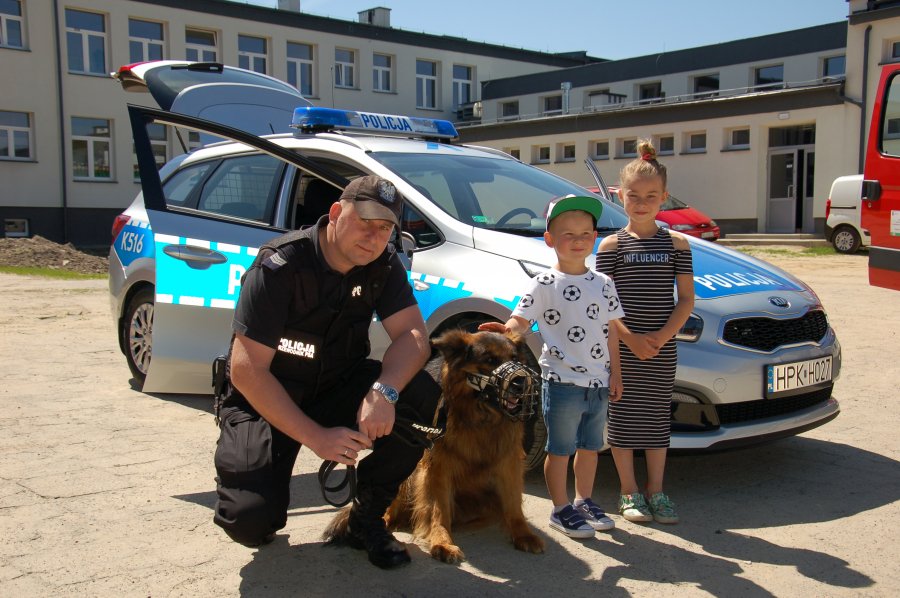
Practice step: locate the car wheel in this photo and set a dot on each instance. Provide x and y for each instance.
(846, 240)
(138, 333)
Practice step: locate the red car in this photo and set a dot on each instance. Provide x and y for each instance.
(678, 215)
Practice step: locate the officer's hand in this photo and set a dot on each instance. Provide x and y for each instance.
(375, 416)
(342, 445)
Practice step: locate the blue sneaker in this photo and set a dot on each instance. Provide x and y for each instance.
(571, 522)
(594, 515)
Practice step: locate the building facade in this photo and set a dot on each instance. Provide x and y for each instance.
(753, 130)
(67, 165)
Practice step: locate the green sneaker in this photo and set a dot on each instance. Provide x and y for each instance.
(663, 508)
(633, 507)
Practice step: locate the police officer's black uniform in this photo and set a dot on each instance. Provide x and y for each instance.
(317, 320)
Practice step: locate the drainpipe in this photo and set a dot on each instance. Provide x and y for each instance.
(62, 125)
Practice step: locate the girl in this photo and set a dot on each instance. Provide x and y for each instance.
(645, 262)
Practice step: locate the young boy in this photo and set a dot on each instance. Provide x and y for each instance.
(572, 307)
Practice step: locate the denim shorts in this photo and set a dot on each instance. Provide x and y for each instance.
(575, 417)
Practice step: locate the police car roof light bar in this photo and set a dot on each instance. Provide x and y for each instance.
(314, 118)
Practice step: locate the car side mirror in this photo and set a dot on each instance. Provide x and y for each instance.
(407, 246)
(871, 190)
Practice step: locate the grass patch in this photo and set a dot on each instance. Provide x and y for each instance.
(781, 251)
(50, 273)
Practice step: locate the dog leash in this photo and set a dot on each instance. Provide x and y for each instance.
(405, 429)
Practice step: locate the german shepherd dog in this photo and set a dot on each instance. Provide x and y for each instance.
(475, 472)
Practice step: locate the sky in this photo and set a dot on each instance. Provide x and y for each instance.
(612, 29)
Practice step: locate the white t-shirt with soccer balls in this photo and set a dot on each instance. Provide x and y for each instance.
(572, 313)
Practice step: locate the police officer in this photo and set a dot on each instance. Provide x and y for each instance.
(298, 371)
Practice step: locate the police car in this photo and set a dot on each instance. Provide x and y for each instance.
(757, 358)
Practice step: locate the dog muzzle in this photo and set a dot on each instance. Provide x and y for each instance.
(512, 388)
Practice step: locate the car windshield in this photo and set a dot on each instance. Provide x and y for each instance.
(489, 192)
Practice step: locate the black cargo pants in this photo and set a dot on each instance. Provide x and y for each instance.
(254, 460)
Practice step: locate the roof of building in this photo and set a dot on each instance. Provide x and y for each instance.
(832, 36)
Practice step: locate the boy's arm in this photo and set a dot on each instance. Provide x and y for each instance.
(514, 324)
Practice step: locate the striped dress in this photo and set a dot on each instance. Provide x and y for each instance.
(644, 272)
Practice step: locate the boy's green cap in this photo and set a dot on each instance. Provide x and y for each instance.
(591, 205)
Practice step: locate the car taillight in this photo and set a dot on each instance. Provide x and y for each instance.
(119, 223)
(827, 208)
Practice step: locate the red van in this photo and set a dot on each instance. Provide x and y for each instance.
(881, 184)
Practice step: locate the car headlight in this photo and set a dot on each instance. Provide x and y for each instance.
(712, 222)
(682, 227)
(690, 332)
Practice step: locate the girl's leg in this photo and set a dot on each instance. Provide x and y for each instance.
(585, 471)
(656, 467)
(624, 459)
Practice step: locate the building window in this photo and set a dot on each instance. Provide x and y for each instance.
(86, 42)
(300, 62)
(694, 143)
(628, 148)
(15, 136)
(344, 67)
(145, 40)
(769, 76)
(565, 152)
(834, 66)
(599, 149)
(463, 80)
(91, 149)
(11, 24)
(552, 105)
(509, 109)
(159, 144)
(895, 50)
(665, 145)
(252, 53)
(540, 154)
(650, 93)
(706, 86)
(426, 84)
(200, 46)
(382, 72)
(737, 138)
(513, 151)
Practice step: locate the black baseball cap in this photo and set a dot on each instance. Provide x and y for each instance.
(375, 198)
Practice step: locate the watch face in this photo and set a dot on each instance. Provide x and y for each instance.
(390, 394)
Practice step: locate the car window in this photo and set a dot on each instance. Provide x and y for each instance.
(181, 186)
(489, 192)
(244, 187)
(413, 223)
(673, 203)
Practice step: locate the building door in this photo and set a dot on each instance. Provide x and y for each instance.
(791, 168)
(782, 196)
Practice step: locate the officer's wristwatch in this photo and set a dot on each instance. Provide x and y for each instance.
(389, 393)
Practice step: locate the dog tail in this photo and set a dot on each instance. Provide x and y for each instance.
(336, 532)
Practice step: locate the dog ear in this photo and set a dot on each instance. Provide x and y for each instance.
(522, 350)
(452, 344)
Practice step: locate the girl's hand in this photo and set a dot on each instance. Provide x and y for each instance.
(641, 345)
(657, 339)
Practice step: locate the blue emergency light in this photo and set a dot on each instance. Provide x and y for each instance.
(313, 118)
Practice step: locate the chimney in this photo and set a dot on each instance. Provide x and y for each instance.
(378, 16)
(291, 5)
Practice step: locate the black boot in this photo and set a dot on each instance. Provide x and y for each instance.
(366, 531)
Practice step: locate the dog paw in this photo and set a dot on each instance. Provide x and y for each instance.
(447, 553)
(530, 543)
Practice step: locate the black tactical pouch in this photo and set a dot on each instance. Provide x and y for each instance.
(219, 384)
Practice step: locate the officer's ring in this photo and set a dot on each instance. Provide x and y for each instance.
(345, 453)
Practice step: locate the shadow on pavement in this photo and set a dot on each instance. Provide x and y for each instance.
(790, 482)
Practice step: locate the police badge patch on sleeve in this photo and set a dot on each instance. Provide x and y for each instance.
(274, 262)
